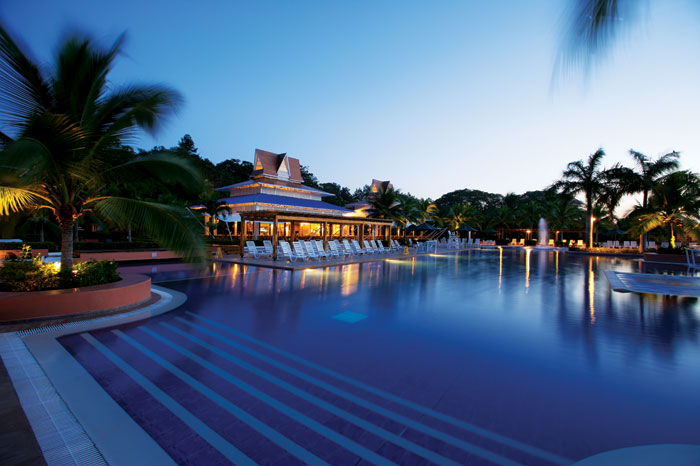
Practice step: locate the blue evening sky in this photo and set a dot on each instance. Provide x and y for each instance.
(433, 95)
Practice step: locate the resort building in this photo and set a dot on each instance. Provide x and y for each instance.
(276, 204)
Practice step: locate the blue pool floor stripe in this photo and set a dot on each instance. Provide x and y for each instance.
(257, 425)
(215, 440)
(459, 443)
(535, 451)
(319, 428)
(366, 425)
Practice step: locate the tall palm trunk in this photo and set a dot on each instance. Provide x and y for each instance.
(643, 236)
(589, 216)
(67, 244)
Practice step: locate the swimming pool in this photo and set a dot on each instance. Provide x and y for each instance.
(483, 357)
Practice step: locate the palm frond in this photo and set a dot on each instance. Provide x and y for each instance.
(81, 75)
(172, 227)
(23, 90)
(123, 112)
(592, 25)
(26, 158)
(165, 166)
(13, 200)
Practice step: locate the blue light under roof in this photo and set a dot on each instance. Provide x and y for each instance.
(282, 201)
(301, 187)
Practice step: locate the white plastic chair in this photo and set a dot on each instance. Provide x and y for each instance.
(300, 251)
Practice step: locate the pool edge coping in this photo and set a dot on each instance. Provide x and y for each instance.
(58, 395)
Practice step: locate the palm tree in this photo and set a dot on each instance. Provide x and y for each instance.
(584, 177)
(648, 175)
(674, 203)
(65, 126)
(426, 209)
(615, 183)
(530, 214)
(408, 211)
(563, 212)
(384, 203)
(214, 206)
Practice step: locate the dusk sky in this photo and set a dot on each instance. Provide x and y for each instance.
(435, 96)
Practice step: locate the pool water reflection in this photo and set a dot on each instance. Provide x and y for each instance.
(531, 348)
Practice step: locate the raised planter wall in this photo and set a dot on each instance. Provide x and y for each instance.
(17, 252)
(672, 258)
(132, 289)
(125, 256)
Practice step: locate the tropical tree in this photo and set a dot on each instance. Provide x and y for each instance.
(615, 183)
(530, 214)
(673, 203)
(213, 206)
(65, 124)
(585, 178)
(649, 173)
(426, 209)
(408, 210)
(384, 203)
(563, 212)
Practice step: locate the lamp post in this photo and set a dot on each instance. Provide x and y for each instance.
(590, 239)
(528, 234)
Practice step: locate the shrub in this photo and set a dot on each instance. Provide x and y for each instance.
(35, 275)
(28, 275)
(95, 273)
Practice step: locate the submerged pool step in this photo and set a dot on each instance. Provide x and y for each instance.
(195, 350)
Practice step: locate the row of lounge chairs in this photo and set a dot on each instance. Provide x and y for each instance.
(314, 250)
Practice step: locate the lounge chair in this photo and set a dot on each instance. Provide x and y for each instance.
(664, 244)
(550, 243)
(626, 245)
(347, 247)
(310, 249)
(579, 243)
(381, 247)
(357, 249)
(287, 252)
(334, 249)
(368, 247)
(633, 244)
(267, 244)
(300, 251)
(651, 245)
(378, 246)
(256, 251)
(521, 242)
(477, 243)
(319, 249)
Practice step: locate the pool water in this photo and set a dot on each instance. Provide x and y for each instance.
(483, 357)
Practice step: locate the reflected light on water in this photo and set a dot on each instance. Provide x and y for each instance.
(500, 266)
(349, 278)
(527, 267)
(591, 290)
(556, 265)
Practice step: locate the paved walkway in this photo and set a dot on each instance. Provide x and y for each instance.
(16, 435)
(654, 283)
(315, 264)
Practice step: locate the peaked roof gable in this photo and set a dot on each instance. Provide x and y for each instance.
(277, 166)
